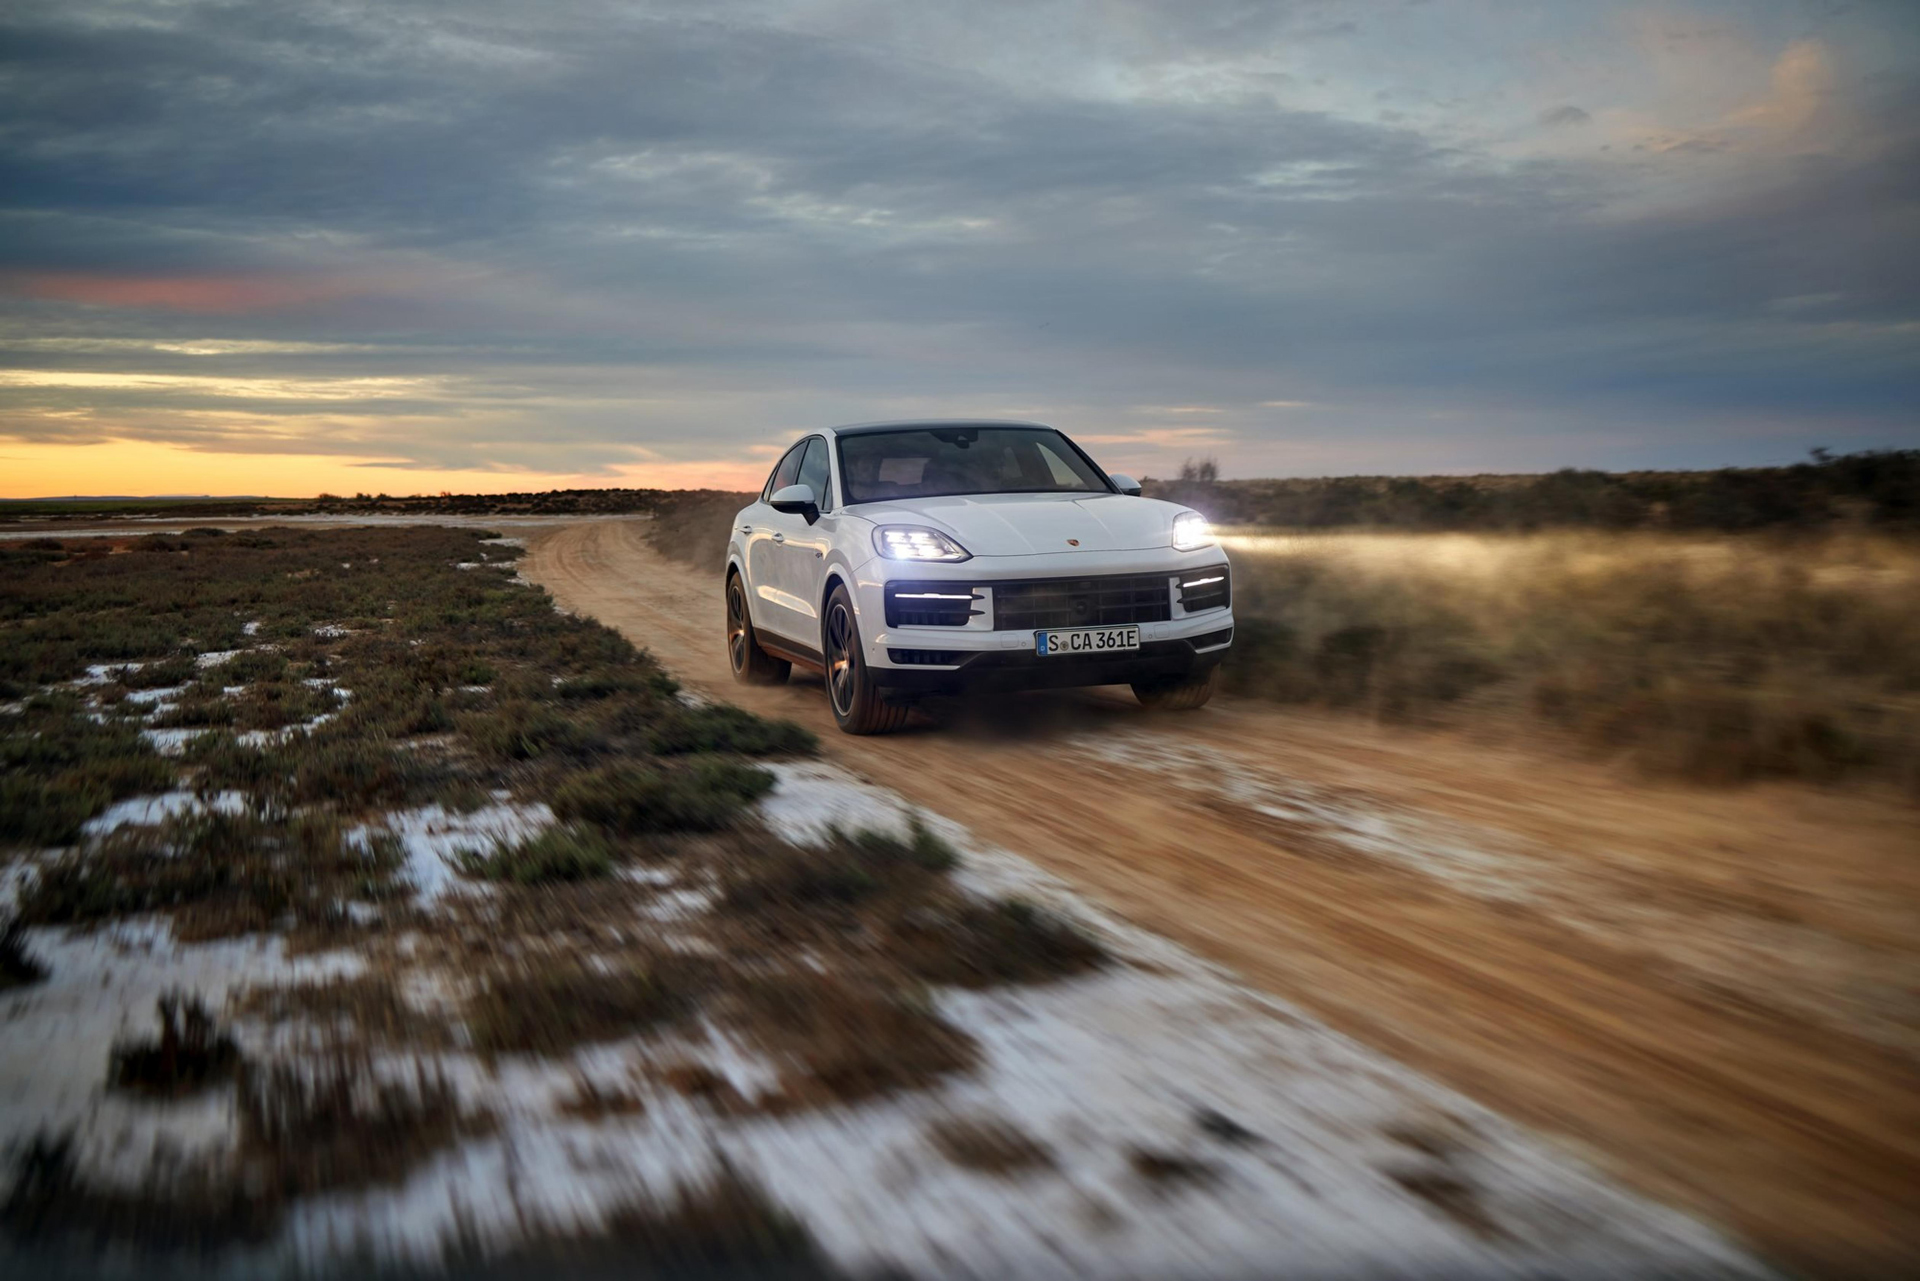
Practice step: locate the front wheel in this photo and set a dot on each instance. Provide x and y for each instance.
(751, 664)
(1180, 695)
(857, 704)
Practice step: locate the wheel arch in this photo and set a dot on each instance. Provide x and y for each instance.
(836, 577)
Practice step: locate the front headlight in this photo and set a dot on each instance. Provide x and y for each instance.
(1191, 532)
(916, 542)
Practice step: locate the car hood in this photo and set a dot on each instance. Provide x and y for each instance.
(1032, 524)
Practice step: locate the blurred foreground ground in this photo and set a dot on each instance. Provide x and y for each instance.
(1713, 993)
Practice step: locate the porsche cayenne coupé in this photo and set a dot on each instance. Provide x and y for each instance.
(916, 558)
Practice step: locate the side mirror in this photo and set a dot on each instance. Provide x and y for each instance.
(1125, 484)
(796, 500)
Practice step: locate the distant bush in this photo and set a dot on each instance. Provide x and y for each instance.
(1880, 490)
(1716, 659)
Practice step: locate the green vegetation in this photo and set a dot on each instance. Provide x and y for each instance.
(631, 800)
(381, 673)
(219, 875)
(58, 768)
(318, 704)
(845, 869)
(565, 853)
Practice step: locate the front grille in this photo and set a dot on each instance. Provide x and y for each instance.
(930, 604)
(925, 657)
(1082, 602)
(1209, 588)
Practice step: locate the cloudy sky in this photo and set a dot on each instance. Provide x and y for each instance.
(408, 246)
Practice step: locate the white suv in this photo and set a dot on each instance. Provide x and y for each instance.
(911, 558)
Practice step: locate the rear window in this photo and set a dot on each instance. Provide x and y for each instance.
(929, 462)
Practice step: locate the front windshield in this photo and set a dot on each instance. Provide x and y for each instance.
(928, 462)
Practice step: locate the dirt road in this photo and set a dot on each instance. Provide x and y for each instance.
(1716, 996)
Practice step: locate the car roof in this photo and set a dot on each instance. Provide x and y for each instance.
(907, 424)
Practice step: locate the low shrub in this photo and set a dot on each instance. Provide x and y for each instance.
(551, 1007)
(697, 796)
(845, 869)
(564, 853)
(719, 727)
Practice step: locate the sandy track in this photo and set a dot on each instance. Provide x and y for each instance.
(1711, 994)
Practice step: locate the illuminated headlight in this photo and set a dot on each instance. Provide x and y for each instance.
(912, 542)
(1191, 532)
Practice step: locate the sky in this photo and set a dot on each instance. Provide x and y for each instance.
(411, 247)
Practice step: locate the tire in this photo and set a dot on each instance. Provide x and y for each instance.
(856, 701)
(751, 664)
(1182, 695)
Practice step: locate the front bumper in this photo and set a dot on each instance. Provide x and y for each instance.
(976, 656)
(1009, 669)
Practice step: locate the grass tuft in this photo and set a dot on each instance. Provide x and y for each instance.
(718, 727)
(551, 1007)
(704, 794)
(845, 869)
(564, 853)
(987, 944)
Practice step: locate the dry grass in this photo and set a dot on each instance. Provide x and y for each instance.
(363, 1010)
(1714, 659)
(989, 1145)
(976, 944)
(563, 853)
(839, 1040)
(219, 876)
(551, 1005)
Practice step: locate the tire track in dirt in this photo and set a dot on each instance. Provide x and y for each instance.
(1803, 1137)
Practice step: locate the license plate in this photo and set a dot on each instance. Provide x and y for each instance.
(1086, 640)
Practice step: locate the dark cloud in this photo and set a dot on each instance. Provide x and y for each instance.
(1565, 115)
(578, 228)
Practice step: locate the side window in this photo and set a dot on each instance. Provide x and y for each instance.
(816, 472)
(783, 473)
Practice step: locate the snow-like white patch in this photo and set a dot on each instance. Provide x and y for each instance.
(106, 673)
(215, 658)
(144, 697)
(172, 742)
(251, 629)
(332, 631)
(503, 542)
(149, 811)
(101, 987)
(435, 839)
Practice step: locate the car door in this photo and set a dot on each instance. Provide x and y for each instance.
(764, 533)
(803, 551)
